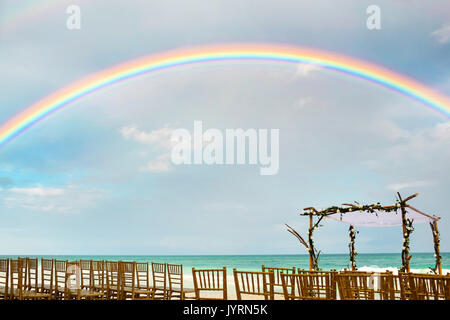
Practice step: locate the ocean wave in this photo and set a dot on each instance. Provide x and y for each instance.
(395, 270)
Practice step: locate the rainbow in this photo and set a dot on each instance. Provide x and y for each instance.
(242, 52)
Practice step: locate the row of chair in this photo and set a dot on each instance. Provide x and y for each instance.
(297, 284)
(88, 279)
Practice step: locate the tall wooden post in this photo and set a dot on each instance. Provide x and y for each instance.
(311, 262)
(351, 246)
(405, 252)
(437, 250)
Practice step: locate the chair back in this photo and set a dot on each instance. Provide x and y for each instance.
(86, 273)
(127, 276)
(142, 275)
(315, 285)
(355, 285)
(60, 278)
(32, 274)
(254, 283)
(4, 278)
(175, 277)
(320, 282)
(17, 278)
(389, 286)
(159, 275)
(278, 286)
(98, 275)
(112, 277)
(213, 280)
(429, 286)
(47, 279)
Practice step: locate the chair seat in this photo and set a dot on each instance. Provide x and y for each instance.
(185, 290)
(158, 288)
(143, 291)
(28, 294)
(86, 293)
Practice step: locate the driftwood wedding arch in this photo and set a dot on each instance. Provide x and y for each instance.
(398, 214)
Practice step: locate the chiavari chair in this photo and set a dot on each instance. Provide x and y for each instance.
(18, 285)
(278, 287)
(254, 283)
(144, 290)
(159, 275)
(210, 280)
(112, 279)
(428, 286)
(355, 285)
(176, 282)
(4, 279)
(47, 276)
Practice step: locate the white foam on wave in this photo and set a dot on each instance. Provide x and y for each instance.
(395, 270)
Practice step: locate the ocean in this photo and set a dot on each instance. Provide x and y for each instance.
(422, 261)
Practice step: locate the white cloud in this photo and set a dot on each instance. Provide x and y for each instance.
(442, 35)
(442, 131)
(38, 191)
(302, 102)
(69, 199)
(159, 138)
(305, 69)
(414, 184)
(161, 164)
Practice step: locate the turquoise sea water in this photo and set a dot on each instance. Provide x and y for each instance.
(254, 262)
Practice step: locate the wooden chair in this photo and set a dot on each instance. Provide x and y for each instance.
(47, 279)
(32, 274)
(112, 279)
(129, 283)
(18, 285)
(4, 279)
(79, 291)
(23, 263)
(143, 276)
(254, 283)
(278, 286)
(86, 274)
(127, 276)
(389, 287)
(143, 290)
(429, 286)
(309, 285)
(332, 280)
(60, 272)
(176, 284)
(355, 285)
(212, 280)
(159, 274)
(98, 276)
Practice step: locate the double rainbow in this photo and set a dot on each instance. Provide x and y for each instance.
(283, 54)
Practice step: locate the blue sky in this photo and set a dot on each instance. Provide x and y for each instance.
(75, 184)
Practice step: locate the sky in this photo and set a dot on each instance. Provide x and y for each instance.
(96, 177)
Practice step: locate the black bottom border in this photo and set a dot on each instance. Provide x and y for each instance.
(231, 309)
